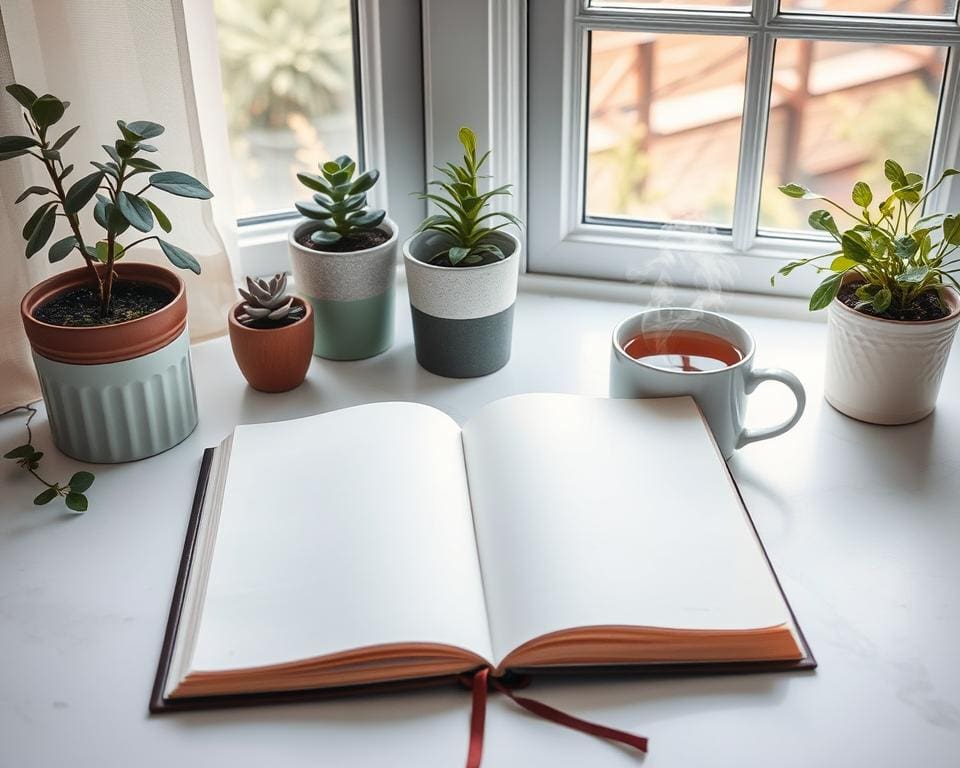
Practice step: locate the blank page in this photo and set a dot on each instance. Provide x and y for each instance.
(341, 531)
(593, 512)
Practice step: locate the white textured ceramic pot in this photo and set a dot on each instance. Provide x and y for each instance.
(462, 316)
(117, 392)
(352, 294)
(886, 371)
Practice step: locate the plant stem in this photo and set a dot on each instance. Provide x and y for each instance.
(74, 223)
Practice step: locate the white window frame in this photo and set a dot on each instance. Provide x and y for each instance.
(560, 241)
(391, 116)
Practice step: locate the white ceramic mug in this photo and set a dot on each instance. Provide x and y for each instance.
(720, 393)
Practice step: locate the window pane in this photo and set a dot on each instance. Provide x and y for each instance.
(700, 4)
(837, 111)
(664, 126)
(288, 86)
(873, 7)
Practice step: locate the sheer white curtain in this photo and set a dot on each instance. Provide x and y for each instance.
(128, 60)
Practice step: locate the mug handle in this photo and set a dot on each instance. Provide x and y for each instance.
(754, 378)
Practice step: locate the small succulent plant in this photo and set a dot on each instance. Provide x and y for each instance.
(465, 210)
(339, 201)
(266, 302)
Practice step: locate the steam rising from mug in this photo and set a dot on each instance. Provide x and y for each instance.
(690, 256)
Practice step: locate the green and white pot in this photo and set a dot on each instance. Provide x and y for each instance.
(352, 294)
(120, 392)
(462, 316)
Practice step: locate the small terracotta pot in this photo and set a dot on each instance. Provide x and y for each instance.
(273, 359)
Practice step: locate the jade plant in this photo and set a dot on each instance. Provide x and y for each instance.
(466, 218)
(266, 303)
(896, 253)
(117, 184)
(339, 203)
(73, 492)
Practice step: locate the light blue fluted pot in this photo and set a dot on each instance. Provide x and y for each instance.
(121, 411)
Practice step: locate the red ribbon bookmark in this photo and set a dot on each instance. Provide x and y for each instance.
(478, 685)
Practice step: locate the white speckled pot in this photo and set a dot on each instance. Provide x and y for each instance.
(462, 316)
(352, 294)
(886, 371)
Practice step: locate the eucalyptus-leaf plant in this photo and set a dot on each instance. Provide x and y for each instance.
(897, 253)
(117, 184)
(465, 217)
(340, 201)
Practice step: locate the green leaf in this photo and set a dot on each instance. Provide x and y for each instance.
(854, 248)
(826, 292)
(80, 193)
(894, 173)
(862, 195)
(951, 229)
(144, 129)
(820, 219)
(20, 452)
(59, 143)
(794, 190)
(33, 191)
(366, 219)
(881, 300)
(331, 167)
(457, 254)
(914, 275)
(34, 219)
(112, 152)
(17, 143)
(160, 216)
(867, 291)
(61, 249)
(842, 264)
(314, 182)
(45, 497)
(142, 164)
(47, 110)
(179, 183)
(469, 141)
(109, 169)
(66, 172)
(81, 481)
(363, 182)
(101, 251)
(42, 231)
(904, 247)
(24, 96)
(325, 238)
(76, 502)
(179, 257)
(136, 211)
(313, 211)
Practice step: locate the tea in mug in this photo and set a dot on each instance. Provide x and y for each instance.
(683, 350)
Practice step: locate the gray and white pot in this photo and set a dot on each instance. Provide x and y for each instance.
(118, 392)
(887, 371)
(352, 294)
(462, 316)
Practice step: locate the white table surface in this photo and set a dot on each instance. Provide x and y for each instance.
(862, 524)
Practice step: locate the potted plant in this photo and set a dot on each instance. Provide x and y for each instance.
(344, 258)
(893, 308)
(272, 335)
(109, 339)
(462, 273)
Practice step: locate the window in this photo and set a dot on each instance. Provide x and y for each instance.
(289, 86)
(308, 80)
(659, 131)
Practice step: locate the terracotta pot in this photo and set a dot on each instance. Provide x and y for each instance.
(105, 343)
(119, 392)
(273, 359)
(886, 371)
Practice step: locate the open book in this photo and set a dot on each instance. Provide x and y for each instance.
(385, 543)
